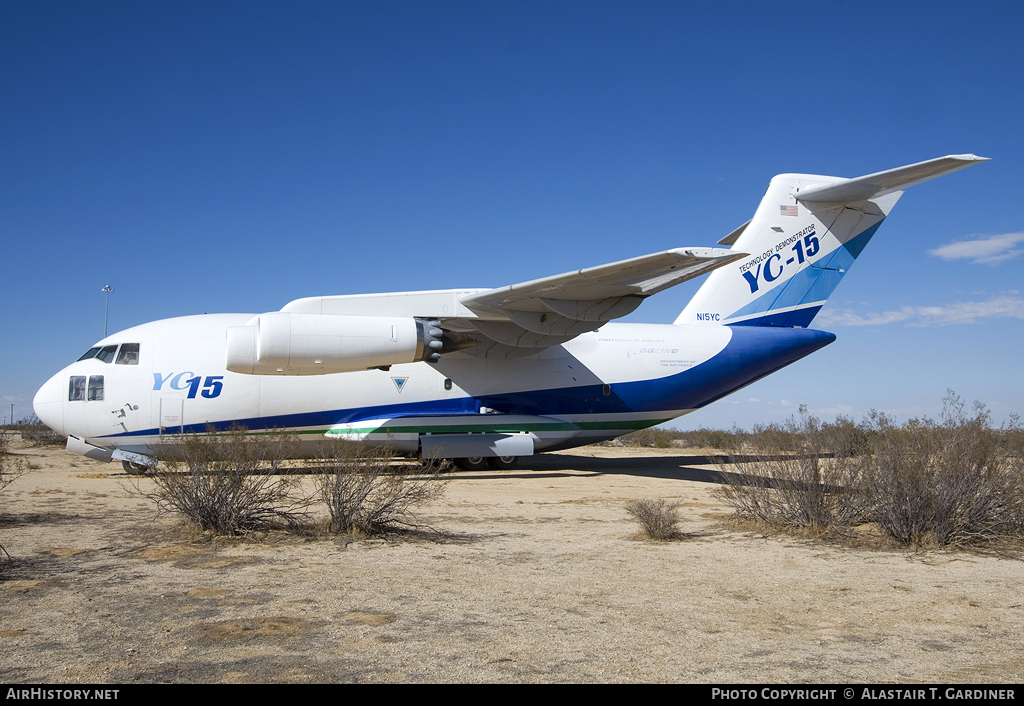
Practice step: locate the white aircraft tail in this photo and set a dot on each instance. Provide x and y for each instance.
(802, 240)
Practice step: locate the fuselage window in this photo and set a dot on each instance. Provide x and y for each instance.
(106, 353)
(95, 388)
(91, 353)
(128, 355)
(76, 388)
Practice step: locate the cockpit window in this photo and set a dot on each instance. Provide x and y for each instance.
(95, 387)
(128, 355)
(76, 388)
(106, 353)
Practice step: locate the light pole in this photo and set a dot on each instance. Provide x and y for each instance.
(106, 289)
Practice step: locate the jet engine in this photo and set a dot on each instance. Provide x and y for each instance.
(281, 343)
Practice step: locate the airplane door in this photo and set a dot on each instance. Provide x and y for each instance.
(171, 415)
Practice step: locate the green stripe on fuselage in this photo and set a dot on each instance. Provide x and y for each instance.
(496, 428)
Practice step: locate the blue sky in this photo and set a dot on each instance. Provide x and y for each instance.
(224, 157)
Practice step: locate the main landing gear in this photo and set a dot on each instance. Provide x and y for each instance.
(479, 463)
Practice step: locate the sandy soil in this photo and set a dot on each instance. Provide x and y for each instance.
(537, 577)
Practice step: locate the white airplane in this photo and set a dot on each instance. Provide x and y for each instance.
(485, 376)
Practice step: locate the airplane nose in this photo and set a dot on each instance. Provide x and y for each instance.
(49, 403)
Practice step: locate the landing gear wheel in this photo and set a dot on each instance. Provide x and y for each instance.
(134, 469)
(472, 463)
(504, 463)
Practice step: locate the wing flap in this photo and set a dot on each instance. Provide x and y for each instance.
(586, 310)
(517, 336)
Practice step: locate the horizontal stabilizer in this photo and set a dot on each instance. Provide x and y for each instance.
(881, 183)
(730, 239)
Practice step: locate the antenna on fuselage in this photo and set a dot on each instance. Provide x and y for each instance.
(107, 289)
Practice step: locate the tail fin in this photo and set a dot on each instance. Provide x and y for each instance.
(803, 238)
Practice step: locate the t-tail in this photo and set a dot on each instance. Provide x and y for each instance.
(802, 240)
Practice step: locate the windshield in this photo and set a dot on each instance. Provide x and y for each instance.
(106, 353)
(128, 354)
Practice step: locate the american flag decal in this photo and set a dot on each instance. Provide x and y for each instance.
(788, 210)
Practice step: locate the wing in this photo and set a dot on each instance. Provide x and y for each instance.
(552, 310)
(521, 318)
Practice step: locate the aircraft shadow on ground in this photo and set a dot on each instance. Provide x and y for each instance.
(668, 467)
(671, 467)
(567, 465)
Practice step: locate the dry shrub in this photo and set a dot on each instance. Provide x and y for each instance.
(712, 438)
(651, 438)
(36, 433)
(658, 519)
(789, 476)
(368, 490)
(957, 481)
(227, 483)
(949, 482)
(10, 468)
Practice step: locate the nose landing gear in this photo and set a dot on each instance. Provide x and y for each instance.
(135, 469)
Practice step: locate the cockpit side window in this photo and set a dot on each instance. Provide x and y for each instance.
(128, 355)
(91, 353)
(95, 388)
(106, 353)
(76, 388)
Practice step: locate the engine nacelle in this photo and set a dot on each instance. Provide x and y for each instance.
(280, 343)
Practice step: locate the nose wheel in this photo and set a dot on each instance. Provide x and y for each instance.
(134, 469)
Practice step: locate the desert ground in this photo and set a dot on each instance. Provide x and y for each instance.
(533, 575)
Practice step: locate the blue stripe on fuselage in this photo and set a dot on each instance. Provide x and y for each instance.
(752, 353)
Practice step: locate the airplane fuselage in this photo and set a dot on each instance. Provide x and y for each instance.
(597, 386)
